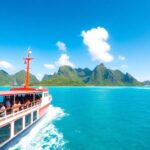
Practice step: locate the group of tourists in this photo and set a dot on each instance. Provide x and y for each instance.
(11, 104)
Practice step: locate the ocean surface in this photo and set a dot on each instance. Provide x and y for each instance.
(92, 118)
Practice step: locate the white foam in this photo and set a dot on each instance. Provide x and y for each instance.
(44, 135)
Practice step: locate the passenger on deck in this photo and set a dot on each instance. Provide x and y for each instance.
(18, 104)
(7, 103)
(28, 103)
(15, 107)
(2, 110)
(8, 106)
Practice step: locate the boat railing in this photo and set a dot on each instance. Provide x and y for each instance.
(14, 110)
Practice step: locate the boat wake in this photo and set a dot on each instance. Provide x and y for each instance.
(44, 135)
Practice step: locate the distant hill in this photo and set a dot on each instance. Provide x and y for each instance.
(66, 75)
(146, 82)
(16, 79)
(100, 76)
(5, 78)
(104, 76)
(46, 77)
(19, 77)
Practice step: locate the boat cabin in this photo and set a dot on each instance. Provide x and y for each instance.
(19, 109)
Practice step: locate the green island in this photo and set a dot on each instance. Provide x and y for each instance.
(68, 76)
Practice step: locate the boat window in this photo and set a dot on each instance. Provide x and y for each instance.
(34, 115)
(45, 94)
(1, 99)
(4, 133)
(27, 119)
(18, 125)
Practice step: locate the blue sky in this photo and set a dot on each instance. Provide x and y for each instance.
(79, 33)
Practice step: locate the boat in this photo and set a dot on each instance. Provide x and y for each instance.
(21, 107)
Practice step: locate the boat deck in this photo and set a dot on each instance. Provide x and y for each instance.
(15, 115)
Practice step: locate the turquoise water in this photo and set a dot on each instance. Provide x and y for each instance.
(94, 118)
(105, 118)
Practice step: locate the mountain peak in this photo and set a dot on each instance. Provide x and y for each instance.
(4, 72)
(65, 69)
(21, 71)
(101, 65)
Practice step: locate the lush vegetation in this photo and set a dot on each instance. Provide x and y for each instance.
(61, 81)
(5, 78)
(67, 76)
(99, 76)
(16, 79)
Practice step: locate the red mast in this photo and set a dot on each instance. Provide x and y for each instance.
(27, 62)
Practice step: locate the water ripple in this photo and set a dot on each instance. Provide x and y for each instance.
(45, 135)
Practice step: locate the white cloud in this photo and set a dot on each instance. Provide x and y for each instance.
(96, 40)
(121, 58)
(124, 66)
(49, 66)
(61, 46)
(64, 60)
(5, 65)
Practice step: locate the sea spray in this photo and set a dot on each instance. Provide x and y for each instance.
(44, 135)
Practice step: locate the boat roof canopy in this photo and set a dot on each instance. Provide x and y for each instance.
(21, 91)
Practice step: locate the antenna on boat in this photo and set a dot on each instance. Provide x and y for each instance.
(27, 62)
